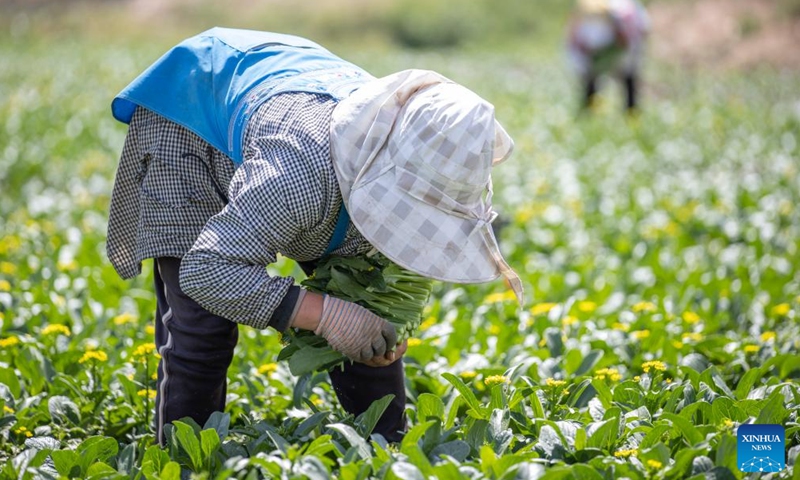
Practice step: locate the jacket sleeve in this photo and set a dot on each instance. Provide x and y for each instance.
(225, 271)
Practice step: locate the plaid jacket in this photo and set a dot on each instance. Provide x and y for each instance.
(176, 195)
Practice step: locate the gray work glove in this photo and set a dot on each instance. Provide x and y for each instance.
(355, 331)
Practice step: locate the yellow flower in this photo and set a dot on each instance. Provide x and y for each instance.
(5, 286)
(623, 327)
(428, 323)
(654, 464)
(542, 308)
(145, 349)
(10, 243)
(654, 365)
(524, 214)
(728, 423)
(690, 317)
(496, 380)
(643, 307)
(493, 298)
(678, 345)
(500, 297)
(124, 318)
(625, 453)
(8, 268)
(23, 431)
(640, 334)
(317, 401)
(751, 348)
(149, 393)
(494, 329)
(97, 355)
(468, 375)
(268, 369)
(767, 336)
(637, 378)
(9, 341)
(587, 306)
(67, 266)
(414, 342)
(154, 376)
(569, 320)
(693, 336)
(610, 373)
(8, 410)
(668, 380)
(56, 329)
(149, 329)
(781, 310)
(550, 382)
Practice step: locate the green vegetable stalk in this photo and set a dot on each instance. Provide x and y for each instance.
(372, 281)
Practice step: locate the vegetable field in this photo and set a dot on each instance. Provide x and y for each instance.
(659, 255)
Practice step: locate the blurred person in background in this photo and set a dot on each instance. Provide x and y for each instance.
(243, 145)
(607, 37)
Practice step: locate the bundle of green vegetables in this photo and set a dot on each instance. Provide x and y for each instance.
(372, 281)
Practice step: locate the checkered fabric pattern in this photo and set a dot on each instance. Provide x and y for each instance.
(413, 153)
(168, 184)
(175, 195)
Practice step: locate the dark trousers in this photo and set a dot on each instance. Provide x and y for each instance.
(196, 349)
(629, 83)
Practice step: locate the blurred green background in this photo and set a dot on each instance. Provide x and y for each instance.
(738, 33)
(411, 23)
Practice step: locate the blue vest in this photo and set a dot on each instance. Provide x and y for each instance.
(211, 83)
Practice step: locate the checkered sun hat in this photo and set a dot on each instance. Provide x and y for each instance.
(413, 154)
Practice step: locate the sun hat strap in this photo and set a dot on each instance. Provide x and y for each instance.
(339, 232)
(494, 249)
(505, 269)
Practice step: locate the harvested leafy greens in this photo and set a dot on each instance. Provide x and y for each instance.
(372, 281)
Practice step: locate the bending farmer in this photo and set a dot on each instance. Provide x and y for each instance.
(243, 145)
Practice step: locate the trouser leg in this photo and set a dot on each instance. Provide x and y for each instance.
(631, 91)
(196, 348)
(590, 91)
(358, 385)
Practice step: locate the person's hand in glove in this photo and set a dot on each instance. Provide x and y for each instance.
(349, 328)
(355, 331)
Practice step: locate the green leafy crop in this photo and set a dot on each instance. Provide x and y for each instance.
(372, 281)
